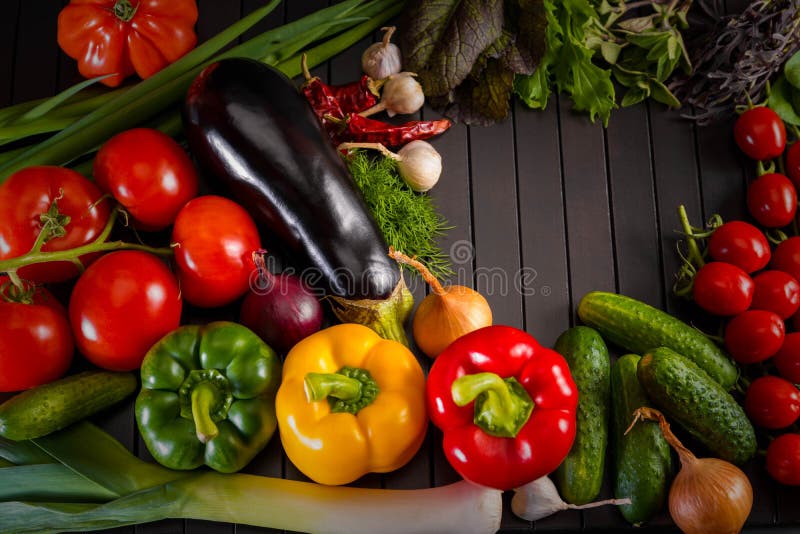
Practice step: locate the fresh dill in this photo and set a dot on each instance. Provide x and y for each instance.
(409, 221)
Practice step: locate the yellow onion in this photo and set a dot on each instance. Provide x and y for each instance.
(708, 495)
(446, 314)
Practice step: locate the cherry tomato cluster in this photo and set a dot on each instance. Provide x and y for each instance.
(758, 289)
(125, 300)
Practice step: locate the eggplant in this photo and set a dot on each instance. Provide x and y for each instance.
(249, 127)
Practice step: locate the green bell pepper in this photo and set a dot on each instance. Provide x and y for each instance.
(208, 397)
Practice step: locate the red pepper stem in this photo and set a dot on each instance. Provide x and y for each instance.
(204, 396)
(370, 146)
(502, 406)
(304, 67)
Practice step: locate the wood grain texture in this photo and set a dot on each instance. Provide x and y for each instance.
(545, 207)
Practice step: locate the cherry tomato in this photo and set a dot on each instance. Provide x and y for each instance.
(783, 459)
(740, 244)
(772, 200)
(121, 305)
(760, 133)
(754, 336)
(36, 344)
(777, 292)
(786, 257)
(787, 360)
(29, 193)
(214, 242)
(772, 402)
(722, 289)
(793, 163)
(149, 174)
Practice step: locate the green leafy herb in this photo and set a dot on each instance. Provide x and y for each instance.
(591, 42)
(408, 220)
(781, 100)
(466, 52)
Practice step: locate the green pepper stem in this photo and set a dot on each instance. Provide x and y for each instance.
(502, 406)
(320, 386)
(204, 395)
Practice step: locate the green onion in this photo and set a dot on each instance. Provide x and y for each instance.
(155, 493)
(24, 482)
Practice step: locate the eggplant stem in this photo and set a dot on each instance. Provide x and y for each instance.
(431, 280)
(371, 146)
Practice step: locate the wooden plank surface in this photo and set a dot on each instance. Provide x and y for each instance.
(545, 207)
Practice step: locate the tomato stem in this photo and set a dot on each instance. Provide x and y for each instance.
(100, 244)
(695, 256)
(124, 10)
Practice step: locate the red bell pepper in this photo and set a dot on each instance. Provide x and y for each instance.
(505, 404)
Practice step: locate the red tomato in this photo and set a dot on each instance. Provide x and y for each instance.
(722, 289)
(214, 242)
(760, 133)
(793, 163)
(121, 305)
(148, 173)
(786, 257)
(35, 340)
(754, 336)
(772, 402)
(783, 459)
(787, 360)
(740, 244)
(777, 292)
(772, 200)
(29, 193)
(120, 37)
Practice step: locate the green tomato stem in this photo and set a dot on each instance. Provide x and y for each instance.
(100, 244)
(204, 395)
(502, 406)
(695, 256)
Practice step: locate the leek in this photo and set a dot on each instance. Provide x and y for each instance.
(149, 492)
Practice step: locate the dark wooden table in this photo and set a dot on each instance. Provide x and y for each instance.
(546, 207)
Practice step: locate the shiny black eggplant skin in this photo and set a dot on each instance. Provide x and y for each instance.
(248, 126)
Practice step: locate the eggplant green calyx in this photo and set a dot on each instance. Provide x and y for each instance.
(348, 390)
(205, 398)
(502, 406)
(386, 317)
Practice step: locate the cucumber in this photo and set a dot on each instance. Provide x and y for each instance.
(643, 465)
(45, 409)
(580, 475)
(638, 328)
(688, 396)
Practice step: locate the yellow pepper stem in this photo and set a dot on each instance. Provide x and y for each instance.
(204, 396)
(347, 390)
(502, 406)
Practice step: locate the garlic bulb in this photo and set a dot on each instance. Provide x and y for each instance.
(418, 163)
(401, 94)
(383, 59)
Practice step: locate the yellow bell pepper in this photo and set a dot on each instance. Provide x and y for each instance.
(350, 403)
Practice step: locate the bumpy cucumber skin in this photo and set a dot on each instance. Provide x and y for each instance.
(580, 475)
(643, 464)
(51, 407)
(638, 327)
(688, 396)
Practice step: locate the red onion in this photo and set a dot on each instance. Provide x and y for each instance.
(280, 308)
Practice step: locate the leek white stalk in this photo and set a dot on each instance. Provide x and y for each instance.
(94, 467)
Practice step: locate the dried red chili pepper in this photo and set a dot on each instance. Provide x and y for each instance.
(337, 100)
(358, 129)
(357, 96)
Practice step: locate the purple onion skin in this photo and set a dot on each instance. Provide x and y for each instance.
(283, 314)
